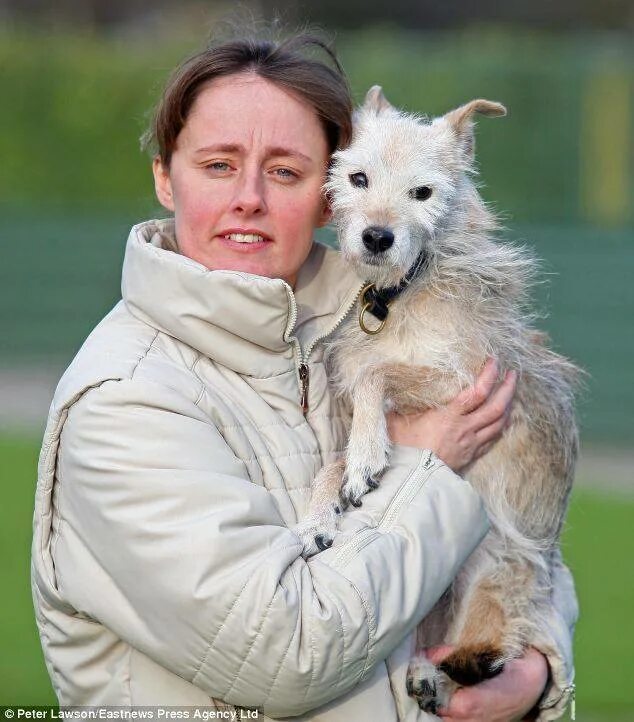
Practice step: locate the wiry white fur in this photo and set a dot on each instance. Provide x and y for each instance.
(469, 303)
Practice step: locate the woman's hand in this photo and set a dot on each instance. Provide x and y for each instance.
(505, 698)
(465, 428)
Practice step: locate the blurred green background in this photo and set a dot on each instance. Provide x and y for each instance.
(77, 84)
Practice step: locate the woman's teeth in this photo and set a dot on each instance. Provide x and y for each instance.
(245, 237)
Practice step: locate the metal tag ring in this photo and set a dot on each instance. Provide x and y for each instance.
(369, 331)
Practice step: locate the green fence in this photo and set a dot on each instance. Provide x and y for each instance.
(61, 276)
(560, 167)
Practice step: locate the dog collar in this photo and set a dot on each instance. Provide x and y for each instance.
(377, 302)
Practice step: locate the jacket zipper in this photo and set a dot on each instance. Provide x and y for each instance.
(302, 367)
(571, 702)
(405, 494)
(354, 546)
(304, 377)
(402, 498)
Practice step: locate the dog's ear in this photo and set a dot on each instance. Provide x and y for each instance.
(461, 120)
(375, 100)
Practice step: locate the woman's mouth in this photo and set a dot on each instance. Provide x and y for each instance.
(243, 241)
(245, 237)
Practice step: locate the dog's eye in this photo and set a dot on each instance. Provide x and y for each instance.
(359, 180)
(422, 193)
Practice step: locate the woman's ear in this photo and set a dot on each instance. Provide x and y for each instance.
(162, 184)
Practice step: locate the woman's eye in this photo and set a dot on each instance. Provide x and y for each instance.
(285, 173)
(219, 165)
(359, 180)
(422, 193)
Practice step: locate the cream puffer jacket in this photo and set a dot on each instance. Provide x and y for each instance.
(175, 459)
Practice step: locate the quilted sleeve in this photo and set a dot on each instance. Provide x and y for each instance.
(556, 644)
(166, 542)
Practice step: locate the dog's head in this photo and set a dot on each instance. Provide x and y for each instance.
(403, 184)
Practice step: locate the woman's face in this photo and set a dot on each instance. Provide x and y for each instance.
(245, 178)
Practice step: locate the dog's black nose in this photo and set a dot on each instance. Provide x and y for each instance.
(377, 239)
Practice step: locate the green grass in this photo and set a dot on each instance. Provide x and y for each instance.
(597, 543)
(598, 547)
(23, 677)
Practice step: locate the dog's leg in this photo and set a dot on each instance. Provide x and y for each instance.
(318, 529)
(369, 444)
(408, 388)
(493, 624)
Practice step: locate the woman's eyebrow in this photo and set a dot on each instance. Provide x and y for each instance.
(272, 152)
(277, 151)
(221, 148)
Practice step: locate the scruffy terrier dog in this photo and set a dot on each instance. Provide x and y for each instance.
(443, 295)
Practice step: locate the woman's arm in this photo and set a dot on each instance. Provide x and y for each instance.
(555, 642)
(166, 542)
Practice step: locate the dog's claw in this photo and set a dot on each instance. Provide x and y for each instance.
(348, 498)
(353, 488)
(372, 483)
(322, 543)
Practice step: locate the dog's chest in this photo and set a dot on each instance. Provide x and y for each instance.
(421, 339)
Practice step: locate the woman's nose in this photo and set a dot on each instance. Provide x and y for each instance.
(249, 196)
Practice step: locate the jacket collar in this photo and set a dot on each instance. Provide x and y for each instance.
(243, 321)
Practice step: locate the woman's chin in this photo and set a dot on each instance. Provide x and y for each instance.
(246, 264)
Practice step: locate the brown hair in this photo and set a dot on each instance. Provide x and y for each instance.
(323, 85)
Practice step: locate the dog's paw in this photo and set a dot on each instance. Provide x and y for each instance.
(364, 468)
(317, 531)
(421, 683)
(355, 486)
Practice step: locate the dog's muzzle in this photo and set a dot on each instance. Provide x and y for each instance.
(377, 239)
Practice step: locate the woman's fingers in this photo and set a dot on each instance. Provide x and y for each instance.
(489, 434)
(436, 654)
(485, 424)
(464, 429)
(473, 397)
(482, 450)
(496, 406)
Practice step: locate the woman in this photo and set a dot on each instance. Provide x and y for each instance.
(183, 438)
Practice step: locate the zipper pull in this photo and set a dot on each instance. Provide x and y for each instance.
(303, 377)
(573, 705)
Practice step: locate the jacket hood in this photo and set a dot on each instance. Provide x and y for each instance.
(244, 321)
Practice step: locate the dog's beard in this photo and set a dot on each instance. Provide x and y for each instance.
(380, 270)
